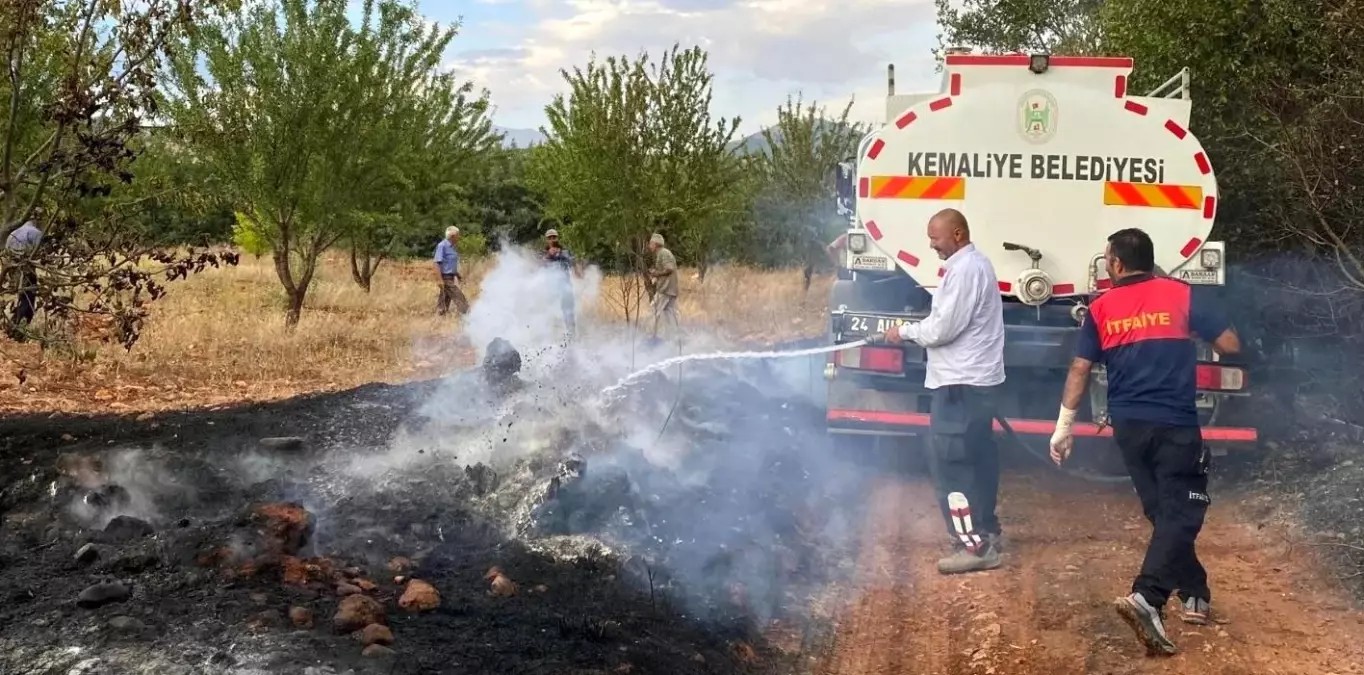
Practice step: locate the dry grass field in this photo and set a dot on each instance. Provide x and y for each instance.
(219, 338)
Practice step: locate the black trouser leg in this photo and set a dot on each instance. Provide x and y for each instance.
(963, 456)
(985, 455)
(1169, 468)
(1143, 477)
(26, 302)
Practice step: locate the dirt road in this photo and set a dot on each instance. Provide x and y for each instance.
(1071, 550)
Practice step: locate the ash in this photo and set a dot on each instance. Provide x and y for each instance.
(664, 531)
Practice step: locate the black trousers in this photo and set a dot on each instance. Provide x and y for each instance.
(963, 456)
(1169, 468)
(26, 302)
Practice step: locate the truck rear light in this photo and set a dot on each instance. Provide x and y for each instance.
(879, 359)
(1213, 377)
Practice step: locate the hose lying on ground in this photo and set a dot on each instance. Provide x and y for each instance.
(1095, 477)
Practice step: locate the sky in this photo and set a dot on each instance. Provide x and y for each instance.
(760, 50)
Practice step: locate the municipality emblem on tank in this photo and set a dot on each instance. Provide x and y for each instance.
(1037, 116)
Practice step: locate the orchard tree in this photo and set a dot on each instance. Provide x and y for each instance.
(313, 124)
(697, 177)
(79, 85)
(438, 141)
(633, 149)
(798, 163)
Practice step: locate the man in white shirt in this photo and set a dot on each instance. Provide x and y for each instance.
(19, 246)
(964, 338)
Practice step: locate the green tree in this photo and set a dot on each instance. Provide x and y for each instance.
(79, 82)
(796, 206)
(311, 122)
(696, 175)
(1070, 27)
(502, 203)
(633, 149)
(439, 142)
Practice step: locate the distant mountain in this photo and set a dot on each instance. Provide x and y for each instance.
(521, 138)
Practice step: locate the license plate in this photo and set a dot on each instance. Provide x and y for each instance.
(872, 324)
(868, 262)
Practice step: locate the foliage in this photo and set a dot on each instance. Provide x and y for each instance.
(1031, 26)
(473, 245)
(80, 81)
(247, 235)
(632, 149)
(503, 203)
(796, 203)
(323, 128)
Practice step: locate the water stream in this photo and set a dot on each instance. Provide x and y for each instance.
(722, 356)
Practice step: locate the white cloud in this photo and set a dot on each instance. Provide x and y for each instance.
(760, 50)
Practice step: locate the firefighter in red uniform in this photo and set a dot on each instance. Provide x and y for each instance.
(1140, 331)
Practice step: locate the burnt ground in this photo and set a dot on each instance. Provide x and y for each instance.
(695, 528)
(1309, 474)
(680, 541)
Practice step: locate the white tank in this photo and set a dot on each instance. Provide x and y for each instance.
(1055, 161)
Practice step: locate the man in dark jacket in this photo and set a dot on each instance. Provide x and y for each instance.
(1141, 332)
(564, 264)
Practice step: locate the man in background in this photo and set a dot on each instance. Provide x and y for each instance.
(565, 265)
(19, 249)
(447, 265)
(964, 337)
(664, 273)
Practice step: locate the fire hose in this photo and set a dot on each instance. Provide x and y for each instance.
(879, 338)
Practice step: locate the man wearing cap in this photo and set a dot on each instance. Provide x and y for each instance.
(563, 263)
(19, 246)
(664, 273)
(447, 265)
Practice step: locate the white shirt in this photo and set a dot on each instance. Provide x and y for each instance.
(964, 331)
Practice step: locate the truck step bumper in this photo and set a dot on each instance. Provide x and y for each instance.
(876, 421)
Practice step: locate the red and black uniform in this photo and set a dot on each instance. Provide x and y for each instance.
(1140, 331)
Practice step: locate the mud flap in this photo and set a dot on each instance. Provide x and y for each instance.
(961, 521)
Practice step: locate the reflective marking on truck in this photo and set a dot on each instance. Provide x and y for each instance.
(908, 257)
(1190, 247)
(918, 187)
(1025, 59)
(875, 149)
(1159, 195)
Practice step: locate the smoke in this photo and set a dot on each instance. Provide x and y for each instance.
(714, 476)
(131, 482)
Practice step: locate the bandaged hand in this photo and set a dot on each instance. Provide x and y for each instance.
(1061, 440)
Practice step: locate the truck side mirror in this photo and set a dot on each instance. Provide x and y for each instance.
(843, 179)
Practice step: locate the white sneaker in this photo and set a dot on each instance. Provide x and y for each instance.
(1146, 623)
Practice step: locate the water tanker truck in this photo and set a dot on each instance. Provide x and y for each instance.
(1045, 156)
